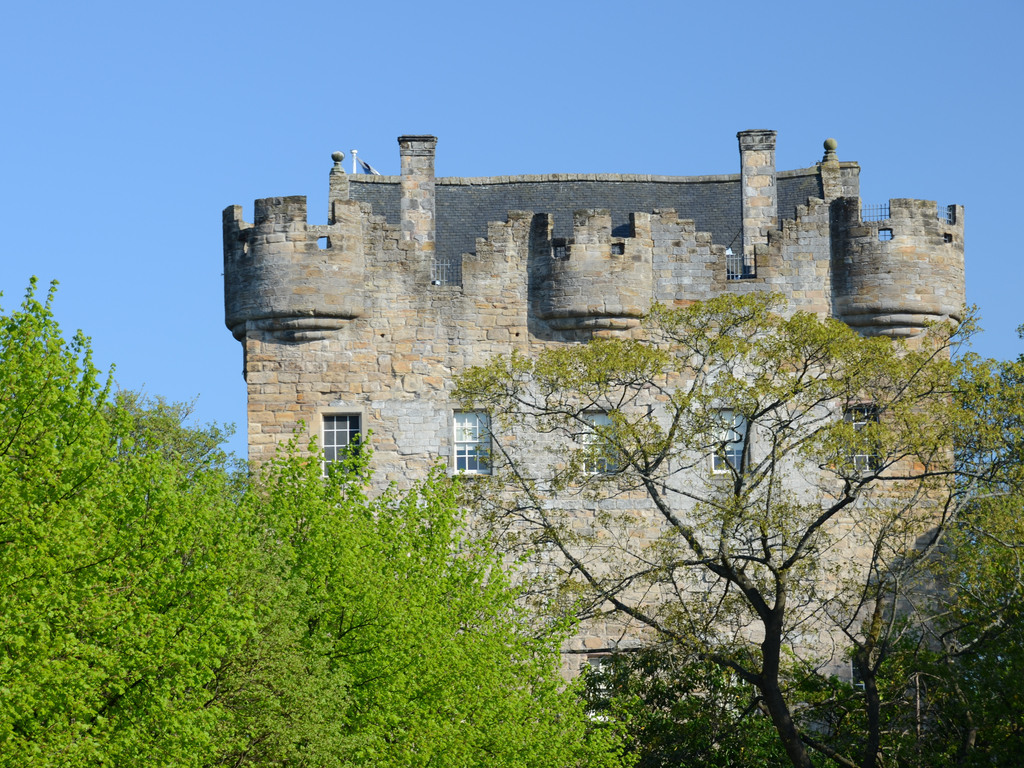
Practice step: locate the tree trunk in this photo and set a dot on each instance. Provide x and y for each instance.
(775, 702)
(874, 707)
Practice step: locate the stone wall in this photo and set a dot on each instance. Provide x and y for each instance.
(349, 318)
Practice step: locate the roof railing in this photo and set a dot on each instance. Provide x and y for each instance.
(874, 212)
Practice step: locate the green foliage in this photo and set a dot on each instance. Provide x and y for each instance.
(423, 652)
(806, 528)
(683, 711)
(116, 568)
(158, 608)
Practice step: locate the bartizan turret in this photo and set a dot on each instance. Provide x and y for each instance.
(594, 281)
(897, 267)
(291, 278)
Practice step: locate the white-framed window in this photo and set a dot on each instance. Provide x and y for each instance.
(861, 416)
(605, 462)
(472, 442)
(340, 433)
(732, 437)
(596, 664)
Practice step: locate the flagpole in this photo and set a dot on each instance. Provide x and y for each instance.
(355, 167)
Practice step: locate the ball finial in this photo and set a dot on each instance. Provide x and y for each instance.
(831, 144)
(337, 156)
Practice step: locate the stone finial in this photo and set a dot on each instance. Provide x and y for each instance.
(830, 151)
(338, 184)
(831, 173)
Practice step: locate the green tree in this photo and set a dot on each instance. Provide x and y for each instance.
(117, 563)
(801, 479)
(680, 711)
(414, 632)
(158, 608)
(974, 658)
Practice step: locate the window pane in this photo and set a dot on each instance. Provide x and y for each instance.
(732, 432)
(861, 416)
(606, 461)
(339, 432)
(472, 442)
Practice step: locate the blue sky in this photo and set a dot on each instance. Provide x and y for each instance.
(129, 126)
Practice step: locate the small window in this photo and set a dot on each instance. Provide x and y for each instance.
(472, 442)
(732, 437)
(947, 238)
(857, 674)
(341, 434)
(604, 462)
(618, 249)
(739, 266)
(559, 248)
(885, 234)
(598, 664)
(861, 416)
(323, 243)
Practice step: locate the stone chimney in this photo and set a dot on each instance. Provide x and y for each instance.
(758, 189)
(417, 204)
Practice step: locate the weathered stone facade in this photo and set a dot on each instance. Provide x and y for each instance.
(415, 278)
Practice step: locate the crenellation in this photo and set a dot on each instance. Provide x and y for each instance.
(360, 326)
(896, 275)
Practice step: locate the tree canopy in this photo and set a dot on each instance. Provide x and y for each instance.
(159, 606)
(767, 491)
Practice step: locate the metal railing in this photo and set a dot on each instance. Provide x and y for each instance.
(739, 266)
(446, 270)
(874, 212)
(945, 213)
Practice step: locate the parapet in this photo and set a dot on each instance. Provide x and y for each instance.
(285, 276)
(899, 267)
(595, 281)
(587, 254)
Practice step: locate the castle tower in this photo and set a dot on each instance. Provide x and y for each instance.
(898, 267)
(361, 325)
(415, 277)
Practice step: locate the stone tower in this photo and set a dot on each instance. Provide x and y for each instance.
(361, 324)
(415, 277)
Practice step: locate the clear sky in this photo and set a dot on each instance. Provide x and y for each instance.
(128, 126)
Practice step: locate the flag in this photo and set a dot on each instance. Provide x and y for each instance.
(367, 168)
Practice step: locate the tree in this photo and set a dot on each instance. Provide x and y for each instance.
(410, 628)
(680, 710)
(770, 488)
(117, 564)
(159, 608)
(973, 659)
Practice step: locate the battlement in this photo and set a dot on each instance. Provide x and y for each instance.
(900, 269)
(598, 266)
(415, 277)
(282, 274)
